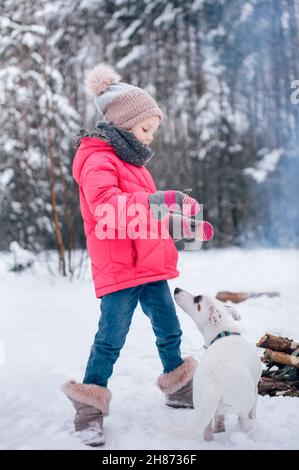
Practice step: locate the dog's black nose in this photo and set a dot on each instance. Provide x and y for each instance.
(197, 299)
(177, 290)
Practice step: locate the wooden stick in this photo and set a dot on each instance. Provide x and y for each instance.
(237, 297)
(281, 358)
(287, 393)
(277, 343)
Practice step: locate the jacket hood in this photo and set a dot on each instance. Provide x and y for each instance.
(87, 146)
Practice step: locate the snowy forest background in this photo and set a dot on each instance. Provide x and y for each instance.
(222, 71)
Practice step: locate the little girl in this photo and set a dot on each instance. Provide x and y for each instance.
(109, 167)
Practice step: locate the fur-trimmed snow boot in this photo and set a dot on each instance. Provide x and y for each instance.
(91, 403)
(177, 385)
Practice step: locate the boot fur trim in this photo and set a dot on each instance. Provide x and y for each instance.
(172, 381)
(89, 394)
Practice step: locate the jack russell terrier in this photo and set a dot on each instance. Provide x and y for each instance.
(228, 374)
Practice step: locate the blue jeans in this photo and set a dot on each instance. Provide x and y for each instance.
(117, 310)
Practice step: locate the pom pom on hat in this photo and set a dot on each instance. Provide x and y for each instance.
(100, 78)
(118, 102)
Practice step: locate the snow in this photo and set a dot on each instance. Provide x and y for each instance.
(30, 40)
(134, 54)
(21, 256)
(47, 327)
(197, 5)
(167, 16)
(2, 93)
(132, 29)
(265, 166)
(246, 12)
(285, 20)
(216, 33)
(9, 75)
(6, 176)
(16, 207)
(34, 157)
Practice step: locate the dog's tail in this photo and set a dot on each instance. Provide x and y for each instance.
(206, 406)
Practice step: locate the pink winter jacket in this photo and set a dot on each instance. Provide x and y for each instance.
(119, 262)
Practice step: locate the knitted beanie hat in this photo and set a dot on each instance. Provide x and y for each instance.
(118, 102)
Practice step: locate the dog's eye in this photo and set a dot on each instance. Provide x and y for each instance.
(197, 299)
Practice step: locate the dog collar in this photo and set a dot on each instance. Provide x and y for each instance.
(222, 335)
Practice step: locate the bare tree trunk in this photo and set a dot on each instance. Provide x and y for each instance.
(57, 228)
(67, 218)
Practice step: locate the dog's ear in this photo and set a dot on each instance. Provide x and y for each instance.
(233, 312)
(214, 316)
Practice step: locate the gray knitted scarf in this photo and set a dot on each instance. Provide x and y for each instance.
(126, 145)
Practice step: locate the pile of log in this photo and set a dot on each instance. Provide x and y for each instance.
(281, 356)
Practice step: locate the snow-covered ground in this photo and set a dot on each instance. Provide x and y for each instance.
(47, 325)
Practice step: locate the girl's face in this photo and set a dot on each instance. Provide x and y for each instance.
(144, 130)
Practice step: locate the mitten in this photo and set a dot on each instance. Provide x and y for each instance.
(173, 201)
(184, 227)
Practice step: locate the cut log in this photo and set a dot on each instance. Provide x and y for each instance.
(267, 385)
(280, 358)
(237, 297)
(277, 343)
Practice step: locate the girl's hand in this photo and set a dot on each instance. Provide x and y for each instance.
(173, 201)
(184, 227)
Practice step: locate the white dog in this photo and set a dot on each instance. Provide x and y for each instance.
(228, 374)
